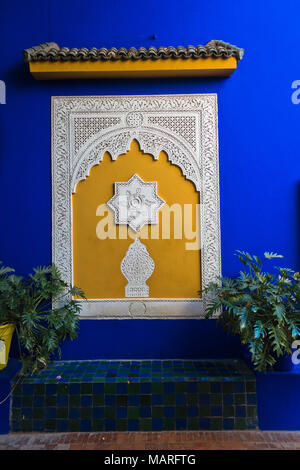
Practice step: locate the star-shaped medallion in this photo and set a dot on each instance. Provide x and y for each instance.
(135, 203)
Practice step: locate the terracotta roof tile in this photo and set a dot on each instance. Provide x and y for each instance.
(50, 51)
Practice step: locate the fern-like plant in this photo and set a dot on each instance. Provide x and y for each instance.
(27, 303)
(263, 308)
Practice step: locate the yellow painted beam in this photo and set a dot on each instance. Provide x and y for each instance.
(203, 67)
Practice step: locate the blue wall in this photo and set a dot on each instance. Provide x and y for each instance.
(258, 135)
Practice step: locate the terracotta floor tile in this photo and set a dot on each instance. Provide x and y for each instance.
(174, 440)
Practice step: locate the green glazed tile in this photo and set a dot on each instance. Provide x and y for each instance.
(251, 411)
(86, 413)
(122, 424)
(16, 413)
(133, 412)
(145, 424)
(74, 425)
(203, 387)
(146, 400)
(157, 412)
(204, 411)
(240, 423)
(169, 399)
(192, 424)
(86, 388)
(109, 412)
(39, 389)
(228, 387)
(50, 400)
(180, 387)
(26, 425)
(169, 424)
(157, 388)
(228, 411)
(38, 413)
(192, 399)
(27, 401)
(180, 411)
(251, 387)
(98, 425)
(239, 399)
(133, 388)
(62, 389)
(216, 399)
(62, 413)
(74, 400)
(216, 423)
(98, 400)
(122, 400)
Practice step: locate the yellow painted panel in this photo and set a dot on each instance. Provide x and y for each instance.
(141, 68)
(97, 261)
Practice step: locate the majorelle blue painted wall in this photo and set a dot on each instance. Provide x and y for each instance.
(259, 140)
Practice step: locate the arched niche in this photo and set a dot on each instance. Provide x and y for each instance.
(182, 126)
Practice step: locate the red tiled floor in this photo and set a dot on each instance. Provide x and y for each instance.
(174, 440)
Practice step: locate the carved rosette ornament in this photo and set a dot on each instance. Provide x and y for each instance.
(135, 203)
(137, 267)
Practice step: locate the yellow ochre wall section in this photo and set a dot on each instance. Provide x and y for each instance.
(97, 262)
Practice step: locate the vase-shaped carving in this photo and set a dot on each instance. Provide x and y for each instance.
(137, 267)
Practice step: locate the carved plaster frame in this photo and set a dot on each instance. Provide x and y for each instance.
(158, 123)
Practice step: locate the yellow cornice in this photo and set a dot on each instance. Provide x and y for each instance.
(189, 67)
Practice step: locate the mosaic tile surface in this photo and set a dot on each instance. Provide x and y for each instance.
(136, 396)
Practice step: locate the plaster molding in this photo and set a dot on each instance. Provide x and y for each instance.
(135, 203)
(137, 266)
(184, 126)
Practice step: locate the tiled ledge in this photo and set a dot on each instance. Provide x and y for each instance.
(136, 396)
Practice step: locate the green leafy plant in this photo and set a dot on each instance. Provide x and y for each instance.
(263, 308)
(40, 325)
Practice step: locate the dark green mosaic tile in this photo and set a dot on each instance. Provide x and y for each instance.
(98, 400)
(157, 388)
(39, 389)
(50, 401)
(27, 401)
(122, 424)
(240, 423)
(74, 400)
(74, 425)
(85, 413)
(145, 400)
(110, 388)
(192, 424)
(216, 424)
(206, 396)
(180, 411)
(145, 424)
(180, 387)
(62, 413)
(169, 399)
(204, 411)
(239, 399)
(251, 411)
(38, 413)
(109, 412)
(62, 389)
(157, 412)
(122, 400)
(133, 412)
(98, 425)
(228, 411)
(203, 387)
(216, 399)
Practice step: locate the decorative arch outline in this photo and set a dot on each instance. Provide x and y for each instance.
(134, 114)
